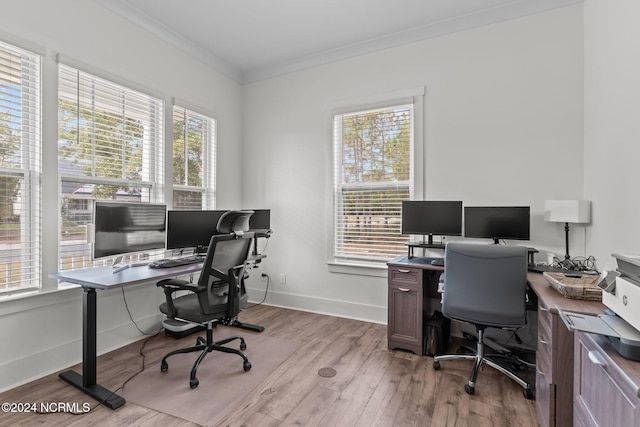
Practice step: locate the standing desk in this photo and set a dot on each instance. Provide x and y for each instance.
(103, 278)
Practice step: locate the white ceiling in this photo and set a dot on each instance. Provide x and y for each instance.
(251, 40)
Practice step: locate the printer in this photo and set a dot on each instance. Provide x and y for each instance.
(620, 323)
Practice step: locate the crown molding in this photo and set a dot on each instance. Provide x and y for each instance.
(491, 15)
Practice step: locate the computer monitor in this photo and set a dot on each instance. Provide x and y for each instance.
(191, 228)
(260, 220)
(123, 228)
(497, 222)
(432, 217)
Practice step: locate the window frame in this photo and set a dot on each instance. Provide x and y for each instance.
(154, 149)
(29, 170)
(208, 188)
(413, 96)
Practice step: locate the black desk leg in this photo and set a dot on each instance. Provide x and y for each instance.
(87, 381)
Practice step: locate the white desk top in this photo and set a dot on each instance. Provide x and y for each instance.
(105, 278)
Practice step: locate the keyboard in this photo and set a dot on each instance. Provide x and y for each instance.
(175, 262)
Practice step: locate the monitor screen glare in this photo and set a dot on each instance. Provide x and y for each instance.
(124, 227)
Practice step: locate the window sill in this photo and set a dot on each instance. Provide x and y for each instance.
(29, 300)
(358, 268)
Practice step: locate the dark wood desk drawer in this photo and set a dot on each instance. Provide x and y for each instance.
(545, 352)
(405, 276)
(605, 394)
(405, 308)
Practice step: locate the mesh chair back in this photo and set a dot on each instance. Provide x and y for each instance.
(485, 284)
(224, 265)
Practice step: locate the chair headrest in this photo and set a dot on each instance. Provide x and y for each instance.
(234, 222)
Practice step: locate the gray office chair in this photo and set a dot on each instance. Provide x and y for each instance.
(485, 285)
(215, 299)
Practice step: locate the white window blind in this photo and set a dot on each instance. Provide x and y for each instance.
(373, 174)
(20, 169)
(110, 147)
(194, 149)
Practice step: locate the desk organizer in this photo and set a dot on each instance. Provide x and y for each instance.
(575, 287)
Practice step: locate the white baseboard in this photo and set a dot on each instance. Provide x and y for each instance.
(349, 310)
(14, 373)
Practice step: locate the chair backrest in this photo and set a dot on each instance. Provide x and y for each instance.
(485, 284)
(224, 265)
(234, 222)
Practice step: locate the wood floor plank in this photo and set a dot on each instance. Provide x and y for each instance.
(372, 386)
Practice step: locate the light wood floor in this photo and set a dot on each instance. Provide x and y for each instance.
(373, 386)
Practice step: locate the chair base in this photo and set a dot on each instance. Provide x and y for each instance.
(207, 346)
(478, 360)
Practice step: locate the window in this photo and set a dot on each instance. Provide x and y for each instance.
(373, 173)
(20, 169)
(110, 147)
(194, 144)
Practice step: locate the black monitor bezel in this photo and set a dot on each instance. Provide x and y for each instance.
(157, 245)
(260, 219)
(196, 226)
(497, 213)
(451, 206)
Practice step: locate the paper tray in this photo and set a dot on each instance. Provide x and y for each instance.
(624, 338)
(628, 265)
(584, 287)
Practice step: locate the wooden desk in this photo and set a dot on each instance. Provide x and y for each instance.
(103, 278)
(555, 352)
(412, 283)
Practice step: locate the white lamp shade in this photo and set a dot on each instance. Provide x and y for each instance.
(574, 211)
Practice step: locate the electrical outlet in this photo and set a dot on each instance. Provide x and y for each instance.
(264, 278)
(283, 279)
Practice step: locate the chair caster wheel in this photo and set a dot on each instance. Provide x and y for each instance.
(200, 341)
(243, 346)
(164, 367)
(469, 389)
(436, 366)
(194, 383)
(528, 394)
(246, 366)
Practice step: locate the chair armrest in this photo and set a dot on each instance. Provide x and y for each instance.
(173, 285)
(179, 285)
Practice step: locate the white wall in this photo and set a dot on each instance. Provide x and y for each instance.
(612, 126)
(42, 334)
(503, 125)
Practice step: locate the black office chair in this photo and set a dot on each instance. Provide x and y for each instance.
(214, 300)
(238, 222)
(485, 285)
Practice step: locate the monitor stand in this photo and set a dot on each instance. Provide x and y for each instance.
(118, 265)
(428, 242)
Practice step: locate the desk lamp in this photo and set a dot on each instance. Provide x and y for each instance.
(574, 211)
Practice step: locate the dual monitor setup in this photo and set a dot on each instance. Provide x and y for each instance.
(445, 218)
(125, 228)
